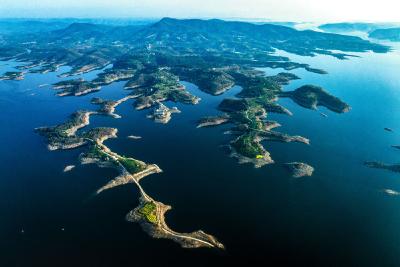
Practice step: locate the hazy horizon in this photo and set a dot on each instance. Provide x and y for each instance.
(283, 10)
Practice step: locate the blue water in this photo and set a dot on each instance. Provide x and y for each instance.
(337, 217)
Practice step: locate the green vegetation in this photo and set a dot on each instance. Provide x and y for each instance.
(310, 96)
(255, 86)
(201, 51)
(233, 105)
(248, 112)
(75, 87)
(213, 54)
(131, 165)
(113, 75)
(212, 81)
(283, 78)
(246, 146)
(160, 85)
(66, 135)
(61, 136)
(105, 105)
(96, 152)
(254, 122)
(149, 212)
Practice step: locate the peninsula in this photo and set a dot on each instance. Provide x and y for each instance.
(310, 96)
(150, 213)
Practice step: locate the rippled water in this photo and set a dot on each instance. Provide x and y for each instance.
(337, 217)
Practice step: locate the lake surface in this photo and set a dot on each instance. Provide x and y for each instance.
(337, 217)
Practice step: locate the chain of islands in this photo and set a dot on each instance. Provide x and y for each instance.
(152, 60)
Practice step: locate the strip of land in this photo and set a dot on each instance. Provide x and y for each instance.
(150, 213)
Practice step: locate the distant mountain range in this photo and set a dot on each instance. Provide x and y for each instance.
(383, 31)
(8, 26)
(118, 28)
(346, 27)
(208, 34)
(391, 34)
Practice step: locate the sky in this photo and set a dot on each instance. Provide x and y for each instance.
(277, 10)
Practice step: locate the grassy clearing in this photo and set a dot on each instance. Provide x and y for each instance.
(131, 165)
(148, 211)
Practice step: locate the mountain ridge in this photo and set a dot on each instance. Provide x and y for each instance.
(200, 31)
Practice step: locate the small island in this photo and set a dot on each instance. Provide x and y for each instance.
(76, 87)
(134, 137)
(12, 75)
(68, 168)
(107, 107)
(150, 215)
(162, 114)
(381, 165)
(310, 96)
(299, 169)
(63, 136)
(391, 192)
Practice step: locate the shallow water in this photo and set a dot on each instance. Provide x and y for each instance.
(337, 217)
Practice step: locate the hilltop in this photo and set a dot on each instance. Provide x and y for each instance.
(391, 34)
